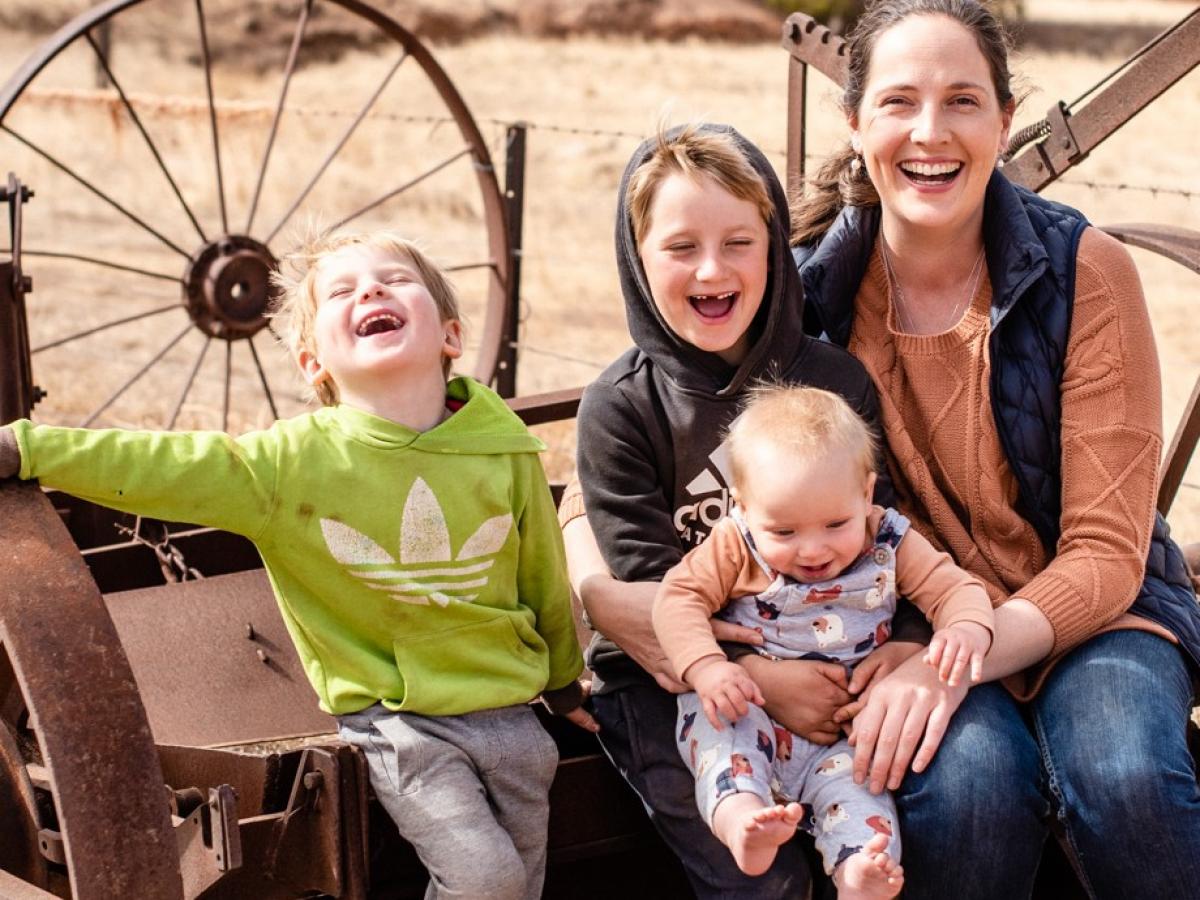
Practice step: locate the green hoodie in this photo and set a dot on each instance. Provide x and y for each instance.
(423, 570)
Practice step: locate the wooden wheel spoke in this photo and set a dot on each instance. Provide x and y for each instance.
(262, 375)
(107, 325)
(411, 183)
(145, 135)
(212, 114)
(289, 68)
(133, 379)
(350, 129)
(95, 190)
(187, 387)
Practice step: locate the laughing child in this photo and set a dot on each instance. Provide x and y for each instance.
(410, 538)
(713, 302)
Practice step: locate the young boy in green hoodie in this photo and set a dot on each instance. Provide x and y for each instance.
(410, 537)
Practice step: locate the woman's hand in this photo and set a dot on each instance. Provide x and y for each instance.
(801, 695)
(880, 663)
(909, 707)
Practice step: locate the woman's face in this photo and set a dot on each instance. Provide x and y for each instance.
(930, 126)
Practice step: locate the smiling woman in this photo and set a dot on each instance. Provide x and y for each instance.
(1019, 396)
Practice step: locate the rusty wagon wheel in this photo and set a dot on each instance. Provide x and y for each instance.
(176, 150)
(169, 181)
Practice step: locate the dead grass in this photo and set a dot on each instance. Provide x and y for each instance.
(588, 101)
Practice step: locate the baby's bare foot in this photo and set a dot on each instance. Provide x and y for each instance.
(755, 838)
(870, 874)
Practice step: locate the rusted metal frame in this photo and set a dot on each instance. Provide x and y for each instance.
(125, 320)
(209, 842)
(288, 68)
(411, 183)
(797, 121)
(18, 393)
(809, 43)
(262, 377)
(337, 148)
(102, 58)
(514, 195)
(1075, 133)
(212, 113)
(553, 406)
(137, 376)
(223, 642)
(91, 725)
(1181, 245)
(67, 170)
(191, 379)
(306, 846)
(19, 851)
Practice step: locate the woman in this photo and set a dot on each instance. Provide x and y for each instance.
(1019, 396)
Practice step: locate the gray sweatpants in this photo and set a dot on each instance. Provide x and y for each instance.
(469, 792)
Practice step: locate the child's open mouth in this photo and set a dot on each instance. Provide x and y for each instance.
(713, 306)
(379, 323)
(931, 173)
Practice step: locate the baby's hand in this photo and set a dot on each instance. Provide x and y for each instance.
(953, 647)
(724, 689)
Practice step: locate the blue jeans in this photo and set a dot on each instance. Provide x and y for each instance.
(1101, 753)
(637, 730)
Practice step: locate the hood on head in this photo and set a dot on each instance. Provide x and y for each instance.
(778, 324)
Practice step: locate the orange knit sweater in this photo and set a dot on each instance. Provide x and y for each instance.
(953, 480)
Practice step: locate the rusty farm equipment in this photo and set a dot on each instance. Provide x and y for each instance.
(157, 736)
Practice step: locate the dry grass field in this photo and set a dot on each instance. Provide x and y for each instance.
(588, 101)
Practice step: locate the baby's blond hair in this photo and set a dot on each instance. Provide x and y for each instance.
(807, 422)
(694, 152)
(295, 282)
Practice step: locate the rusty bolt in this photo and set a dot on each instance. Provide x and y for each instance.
(262, 656)
(26, 284)
(313, 781)
(249, 631)
(1066, 142)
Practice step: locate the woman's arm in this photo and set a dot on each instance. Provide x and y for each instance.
(906, 714)
(1111, 443)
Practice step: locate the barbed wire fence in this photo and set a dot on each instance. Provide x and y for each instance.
(496, 146)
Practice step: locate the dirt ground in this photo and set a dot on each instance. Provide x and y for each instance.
(588, 89)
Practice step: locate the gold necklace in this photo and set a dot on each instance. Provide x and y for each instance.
(903, 317)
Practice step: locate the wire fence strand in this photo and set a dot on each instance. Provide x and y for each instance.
(171, 105)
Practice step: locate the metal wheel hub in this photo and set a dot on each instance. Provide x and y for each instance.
(227, 287)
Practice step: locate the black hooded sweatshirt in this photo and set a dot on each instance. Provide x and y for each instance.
(650, 455)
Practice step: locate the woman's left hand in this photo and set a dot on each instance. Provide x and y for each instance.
(907, 708)
(880, 663)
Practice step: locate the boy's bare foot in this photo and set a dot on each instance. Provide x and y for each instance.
(869, 874)
(755, 834)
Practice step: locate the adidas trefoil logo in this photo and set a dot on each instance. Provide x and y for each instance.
(426, 569)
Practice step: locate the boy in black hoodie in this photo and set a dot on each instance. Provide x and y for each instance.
(713, 304)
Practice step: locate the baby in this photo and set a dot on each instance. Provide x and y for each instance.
(807, 560)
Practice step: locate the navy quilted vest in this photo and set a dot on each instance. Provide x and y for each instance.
(1031, 245)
